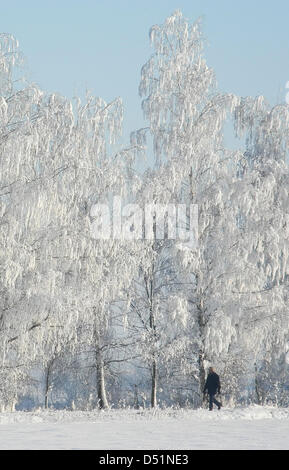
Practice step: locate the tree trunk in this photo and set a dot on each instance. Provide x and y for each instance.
(202, 355)
(154, 384)
(136, 401)
(201, 318)
(202, 372)
(47, 385)
(257, 388)
(154, 362)
(100, 378)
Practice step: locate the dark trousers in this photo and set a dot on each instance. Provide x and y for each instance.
(212, 400)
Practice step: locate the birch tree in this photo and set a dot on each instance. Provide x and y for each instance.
(186, 116)
(262, 199)
(55, 165)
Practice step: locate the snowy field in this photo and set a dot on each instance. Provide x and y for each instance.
(241, 428)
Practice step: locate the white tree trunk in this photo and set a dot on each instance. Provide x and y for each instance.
(154, 384)
(47, 385)
(100, 377)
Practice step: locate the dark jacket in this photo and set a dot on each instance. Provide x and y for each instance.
(212, 384)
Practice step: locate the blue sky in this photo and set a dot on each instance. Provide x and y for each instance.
(101, 44)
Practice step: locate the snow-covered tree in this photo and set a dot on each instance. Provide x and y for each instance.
(261, 197)
(186, 116)
(54, 166)
(109, 306)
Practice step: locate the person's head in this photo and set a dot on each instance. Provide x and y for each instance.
(211, 370)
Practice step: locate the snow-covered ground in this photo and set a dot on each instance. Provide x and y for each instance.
(241, 428)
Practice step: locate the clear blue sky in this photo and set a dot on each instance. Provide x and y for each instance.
(101, 45)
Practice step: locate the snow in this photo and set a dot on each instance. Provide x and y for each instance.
(240, 428)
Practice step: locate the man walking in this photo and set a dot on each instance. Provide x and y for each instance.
(213, 386)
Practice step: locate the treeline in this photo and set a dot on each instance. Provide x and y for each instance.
(131, 320)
